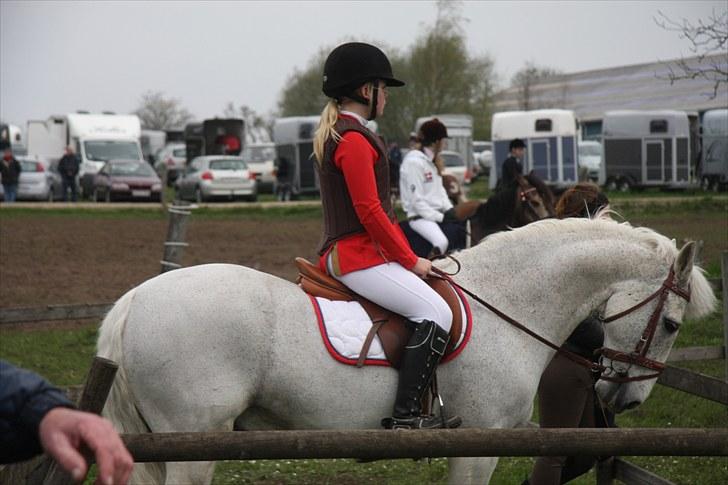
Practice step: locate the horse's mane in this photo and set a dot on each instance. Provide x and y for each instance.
(702, 299)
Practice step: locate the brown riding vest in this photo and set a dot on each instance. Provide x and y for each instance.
(340, 219)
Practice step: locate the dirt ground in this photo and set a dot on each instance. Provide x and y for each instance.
(64, 260)
(51, 260)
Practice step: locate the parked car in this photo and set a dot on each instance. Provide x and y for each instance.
(171, 158)
(260, 158)
(483, 154)
(127, 180)
(590, 158)
(455, 166)
(215, 177)
(38, 181)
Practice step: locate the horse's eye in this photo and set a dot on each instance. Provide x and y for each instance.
(670, 324)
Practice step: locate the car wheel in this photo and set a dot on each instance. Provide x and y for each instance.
(624, 185)
(252, 198)
(199, 198)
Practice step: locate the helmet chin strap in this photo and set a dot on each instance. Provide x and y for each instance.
(371, 103)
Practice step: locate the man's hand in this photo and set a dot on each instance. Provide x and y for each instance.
(62, 433)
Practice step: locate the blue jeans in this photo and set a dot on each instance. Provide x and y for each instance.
(10, 192)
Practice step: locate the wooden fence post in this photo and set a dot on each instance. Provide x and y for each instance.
(95, 391)
(605, 471)
(175, 244)
(724, 275)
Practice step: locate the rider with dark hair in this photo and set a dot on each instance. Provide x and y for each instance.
(513, 165)
(566, 395)
(362, 245)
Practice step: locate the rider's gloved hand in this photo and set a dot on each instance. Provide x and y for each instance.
(449, 216)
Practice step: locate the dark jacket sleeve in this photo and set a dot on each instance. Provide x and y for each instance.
(25, 398)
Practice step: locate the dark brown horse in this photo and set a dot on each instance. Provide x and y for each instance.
(526, 201)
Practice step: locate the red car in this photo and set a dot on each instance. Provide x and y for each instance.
(127, 180)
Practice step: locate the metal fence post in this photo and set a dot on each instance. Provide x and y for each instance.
(175, 244)
(724, 275)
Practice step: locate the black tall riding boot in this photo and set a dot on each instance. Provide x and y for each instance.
(419, 361)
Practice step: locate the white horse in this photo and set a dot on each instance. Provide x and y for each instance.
(202, 346)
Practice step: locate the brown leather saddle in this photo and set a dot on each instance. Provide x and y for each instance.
(390, 327)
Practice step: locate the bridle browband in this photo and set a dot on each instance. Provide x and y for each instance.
(637, 357)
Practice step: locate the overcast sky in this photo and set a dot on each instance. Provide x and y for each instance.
(57, 57)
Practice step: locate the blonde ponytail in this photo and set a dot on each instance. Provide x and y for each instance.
(325, 129)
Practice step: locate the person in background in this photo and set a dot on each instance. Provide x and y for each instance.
(10, 171)
(35, 416)
(68, 167)
(395, 161)
(424, 198)
(566, 395)
(513, 165)
(283, 179)
(362, 245)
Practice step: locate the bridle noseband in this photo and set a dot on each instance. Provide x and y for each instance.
(639, 355)
(636, 357)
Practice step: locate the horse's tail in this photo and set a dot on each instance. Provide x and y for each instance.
(120, 407)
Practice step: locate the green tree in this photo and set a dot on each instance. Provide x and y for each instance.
(441, 77)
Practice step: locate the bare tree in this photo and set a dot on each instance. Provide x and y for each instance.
(528, 76)
(708, 41)
(159, 113)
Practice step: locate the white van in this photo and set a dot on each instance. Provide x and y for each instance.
(97, 138)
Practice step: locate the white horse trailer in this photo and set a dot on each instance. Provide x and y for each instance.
(714, 161)
(293, 138)
(460, 137)
(646, 149)
(550, 136)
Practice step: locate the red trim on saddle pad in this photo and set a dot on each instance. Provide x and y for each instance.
(383, 362)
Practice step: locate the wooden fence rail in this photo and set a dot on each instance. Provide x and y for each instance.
(371, 444)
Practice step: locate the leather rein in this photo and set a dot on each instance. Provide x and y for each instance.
(636, 357)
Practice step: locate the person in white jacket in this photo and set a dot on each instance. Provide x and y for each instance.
(423, 196)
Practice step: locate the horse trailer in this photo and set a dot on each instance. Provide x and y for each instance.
(214, 137)
(550, 136)
(460, 137)
(646, 149)
(714, 161)
(293, 138)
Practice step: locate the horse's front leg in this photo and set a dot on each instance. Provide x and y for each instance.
(471, 470)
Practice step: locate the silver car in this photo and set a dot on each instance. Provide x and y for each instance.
(455, 166)
(217, 177)
(260, 157)
(39, 180)
(171, 158)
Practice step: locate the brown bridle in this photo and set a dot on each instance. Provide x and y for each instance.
(637, 357)
(527, 193)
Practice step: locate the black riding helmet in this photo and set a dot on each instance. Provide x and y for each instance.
(355, 63)
(432, 131)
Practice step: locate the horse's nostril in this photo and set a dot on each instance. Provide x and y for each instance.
(632, 405)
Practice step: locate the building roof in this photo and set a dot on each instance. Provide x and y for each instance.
(637, 87)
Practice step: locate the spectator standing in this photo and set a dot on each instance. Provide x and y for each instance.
(68, 167)
(35, 416)
(283, 179)
(10, 171)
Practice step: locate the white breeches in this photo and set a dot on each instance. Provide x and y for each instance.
(431, 231)
(397, 289)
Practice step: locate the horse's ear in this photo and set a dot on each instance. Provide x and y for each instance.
(683, 265)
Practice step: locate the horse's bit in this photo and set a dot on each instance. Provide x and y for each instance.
(637, 357)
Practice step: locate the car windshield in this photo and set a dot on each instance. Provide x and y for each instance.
(231, 164)
(131, 169)
(259, 154)
(590, 150)
(179, 153)
(105, 150)
(452, 160)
